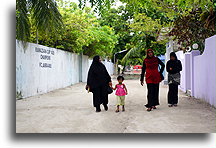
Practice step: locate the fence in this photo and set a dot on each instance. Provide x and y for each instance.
(199, 72)
(40, 69)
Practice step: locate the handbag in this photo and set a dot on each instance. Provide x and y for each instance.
(109, 90)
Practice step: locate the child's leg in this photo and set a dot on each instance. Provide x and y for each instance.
(117, 110)
(118, 103)
(123, 102)
(123, 108)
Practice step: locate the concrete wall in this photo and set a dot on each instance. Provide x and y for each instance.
(85, 67)
(40, 69)
(199, 72)
(205, 73)
(181, 57)
(193, 54)
(169, 49)
(109, 66)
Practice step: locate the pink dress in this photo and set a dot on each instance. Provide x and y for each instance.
(120, 90)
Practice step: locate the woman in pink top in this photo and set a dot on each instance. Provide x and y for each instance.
(121, 91)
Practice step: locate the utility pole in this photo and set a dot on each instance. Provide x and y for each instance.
(115, 58)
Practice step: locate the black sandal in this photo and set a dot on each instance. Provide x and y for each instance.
(98, 110)
(154, 107)
(149, 109)
(105, 107)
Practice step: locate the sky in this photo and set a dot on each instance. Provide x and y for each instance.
(116, 4)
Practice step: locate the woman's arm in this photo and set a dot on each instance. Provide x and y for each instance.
(90, 76)
(108, 78)
(107, 75)
(162, 65)
(179, 66)
(168, 67)
(143, 72)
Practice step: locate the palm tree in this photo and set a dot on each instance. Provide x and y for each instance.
(44, 15)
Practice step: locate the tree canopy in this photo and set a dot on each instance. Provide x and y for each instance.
(81, 33)
(106, 30)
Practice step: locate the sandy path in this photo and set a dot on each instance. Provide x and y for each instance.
(69, 110)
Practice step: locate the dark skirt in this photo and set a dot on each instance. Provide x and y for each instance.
(173, 94)
(100, 96)
(153, 95)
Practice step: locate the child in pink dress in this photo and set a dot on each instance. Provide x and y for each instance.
(121, 91)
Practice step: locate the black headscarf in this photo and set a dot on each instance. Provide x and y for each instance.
(96, 59)
(172, 54)
(174, 64)
(96, 65)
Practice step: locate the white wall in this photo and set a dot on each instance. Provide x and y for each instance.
(204, 68)
(169, 49)
(64, 69)
(109, 66)
(199, 72)
(180, 55)
(86, 63)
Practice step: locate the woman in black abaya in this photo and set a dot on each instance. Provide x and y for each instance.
(173, 68)
(98, 82)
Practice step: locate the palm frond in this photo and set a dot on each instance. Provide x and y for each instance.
(46, 16)
(129, 54)
(22, 21)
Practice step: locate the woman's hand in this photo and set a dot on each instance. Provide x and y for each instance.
(87, 87)
(110, 84)
(142, 82)
(170, 68)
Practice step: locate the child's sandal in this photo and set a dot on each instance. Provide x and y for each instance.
(117, 111)
(123, 108)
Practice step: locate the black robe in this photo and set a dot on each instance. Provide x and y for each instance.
(173, 78)
(98, 80)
